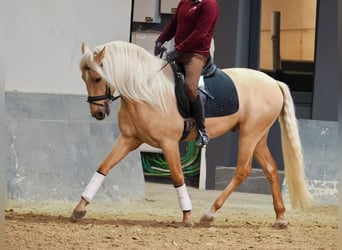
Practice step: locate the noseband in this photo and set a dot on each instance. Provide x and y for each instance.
(93, 99)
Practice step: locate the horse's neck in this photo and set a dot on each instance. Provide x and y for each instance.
(142, 113)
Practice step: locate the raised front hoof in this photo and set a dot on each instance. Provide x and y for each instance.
(281, 224)
(77, 215)
(207, 218)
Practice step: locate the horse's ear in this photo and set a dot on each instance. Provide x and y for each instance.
(98, 57)
(85, 48)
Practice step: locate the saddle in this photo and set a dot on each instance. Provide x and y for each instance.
(216, 89)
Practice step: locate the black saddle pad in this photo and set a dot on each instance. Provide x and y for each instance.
(217, 84)
(222, 88)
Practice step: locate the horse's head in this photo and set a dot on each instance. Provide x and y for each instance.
(100, 92)
(125, 68)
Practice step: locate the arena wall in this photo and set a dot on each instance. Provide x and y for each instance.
(54, 147)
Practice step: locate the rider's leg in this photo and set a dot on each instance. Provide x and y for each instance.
(193, 64)
(197, 109)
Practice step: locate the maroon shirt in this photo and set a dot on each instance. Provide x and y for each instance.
(192, 25)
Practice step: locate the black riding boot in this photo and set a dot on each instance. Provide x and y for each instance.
(197, 110)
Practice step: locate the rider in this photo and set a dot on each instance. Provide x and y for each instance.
(192, 27)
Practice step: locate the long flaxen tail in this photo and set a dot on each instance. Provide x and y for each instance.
(293, 153)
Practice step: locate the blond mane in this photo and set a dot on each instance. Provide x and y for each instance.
(133, 72)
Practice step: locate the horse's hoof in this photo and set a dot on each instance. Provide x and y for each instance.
(281, 224)
(207, 218)
(77, 215)
(187, 224)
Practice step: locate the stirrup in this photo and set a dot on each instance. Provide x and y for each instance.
(202, 139)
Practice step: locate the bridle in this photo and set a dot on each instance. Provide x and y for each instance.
(93, 99)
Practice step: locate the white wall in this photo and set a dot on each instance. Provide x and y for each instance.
(44, 40)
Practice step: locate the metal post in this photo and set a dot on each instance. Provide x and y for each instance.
(275, 31)
(203, 169)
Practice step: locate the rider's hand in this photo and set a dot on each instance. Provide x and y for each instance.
(171, 55)
(158, 48)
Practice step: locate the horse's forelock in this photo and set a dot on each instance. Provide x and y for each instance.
(87, 62)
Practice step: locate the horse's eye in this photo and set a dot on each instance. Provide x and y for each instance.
(97, 80)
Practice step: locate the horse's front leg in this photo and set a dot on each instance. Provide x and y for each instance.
(172, 156)
(123, 146)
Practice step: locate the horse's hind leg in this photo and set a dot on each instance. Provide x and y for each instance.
(243, 169)
(264, 157)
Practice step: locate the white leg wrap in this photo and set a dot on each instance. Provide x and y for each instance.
(92, 187)
(183, 198)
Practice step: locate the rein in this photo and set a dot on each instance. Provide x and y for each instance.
(164, 66)
(93, 99)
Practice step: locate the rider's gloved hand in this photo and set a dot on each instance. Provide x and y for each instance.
(158, 48)
(171, 55)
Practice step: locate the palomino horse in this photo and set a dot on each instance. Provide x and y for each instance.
(149, 114)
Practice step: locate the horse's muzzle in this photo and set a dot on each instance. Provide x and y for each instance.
(101, 113)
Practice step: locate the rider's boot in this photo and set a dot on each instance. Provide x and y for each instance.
(197, 109)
